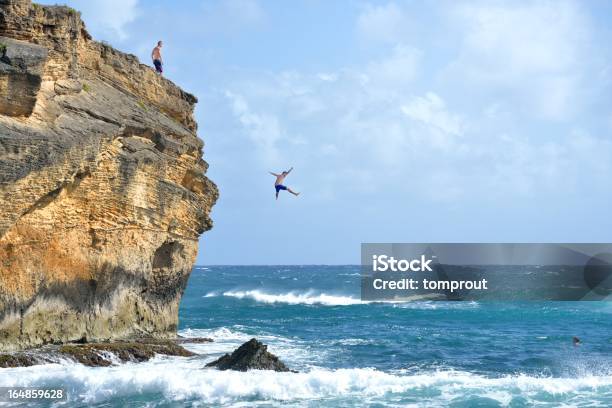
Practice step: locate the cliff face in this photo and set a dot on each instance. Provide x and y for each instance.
(102, 186)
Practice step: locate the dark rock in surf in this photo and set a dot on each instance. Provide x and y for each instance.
(252, 355)
(192, 340)
(18, 360)
(98, 354)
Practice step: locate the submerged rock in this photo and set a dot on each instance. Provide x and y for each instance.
(252, 355)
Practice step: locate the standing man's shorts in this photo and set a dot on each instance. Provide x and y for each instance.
(279, 187)
(158, 66)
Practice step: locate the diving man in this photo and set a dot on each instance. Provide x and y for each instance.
(278, 184)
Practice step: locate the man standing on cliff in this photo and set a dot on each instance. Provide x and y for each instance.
(278, 184)
(157, 58)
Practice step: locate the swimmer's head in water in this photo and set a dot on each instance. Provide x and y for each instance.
(576, 341)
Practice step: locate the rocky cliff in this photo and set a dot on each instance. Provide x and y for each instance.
(102, 186)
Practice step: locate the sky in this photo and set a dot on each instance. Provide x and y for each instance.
(405, 121)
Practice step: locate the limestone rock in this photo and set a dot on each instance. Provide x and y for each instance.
(102, 186)
(252, 355)
(21, 66)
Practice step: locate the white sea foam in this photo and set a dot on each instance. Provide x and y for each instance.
(434, 305)
(224, 340)
(217, 334)
(353, 342)
(185, 379)
(296, 298)
(228, 339)
(312, 297)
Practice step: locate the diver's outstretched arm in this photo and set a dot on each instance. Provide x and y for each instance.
(289, 171)
(274, 174)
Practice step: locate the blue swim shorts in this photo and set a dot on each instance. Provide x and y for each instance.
(158, 66)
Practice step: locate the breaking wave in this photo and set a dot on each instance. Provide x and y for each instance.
(187, 380)
(296, 298)
(312, 297)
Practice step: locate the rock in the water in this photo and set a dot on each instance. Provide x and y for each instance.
(97, 354)
(102, 186)
(193, 340)
(18, 360)
(252, 355)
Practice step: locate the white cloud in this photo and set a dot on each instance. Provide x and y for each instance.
(382, 23)
(574, 160)
(263, 129)
(522, 38)
(536, 53)
(247, 11)
(396, 70)
(327, 77)
(228, 17)
(431, 110)
(107, 19)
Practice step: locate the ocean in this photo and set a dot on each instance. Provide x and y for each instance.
(353, 353)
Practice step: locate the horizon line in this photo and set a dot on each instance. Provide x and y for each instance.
(314, 264)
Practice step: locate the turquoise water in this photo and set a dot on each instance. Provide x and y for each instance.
(350, 353)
